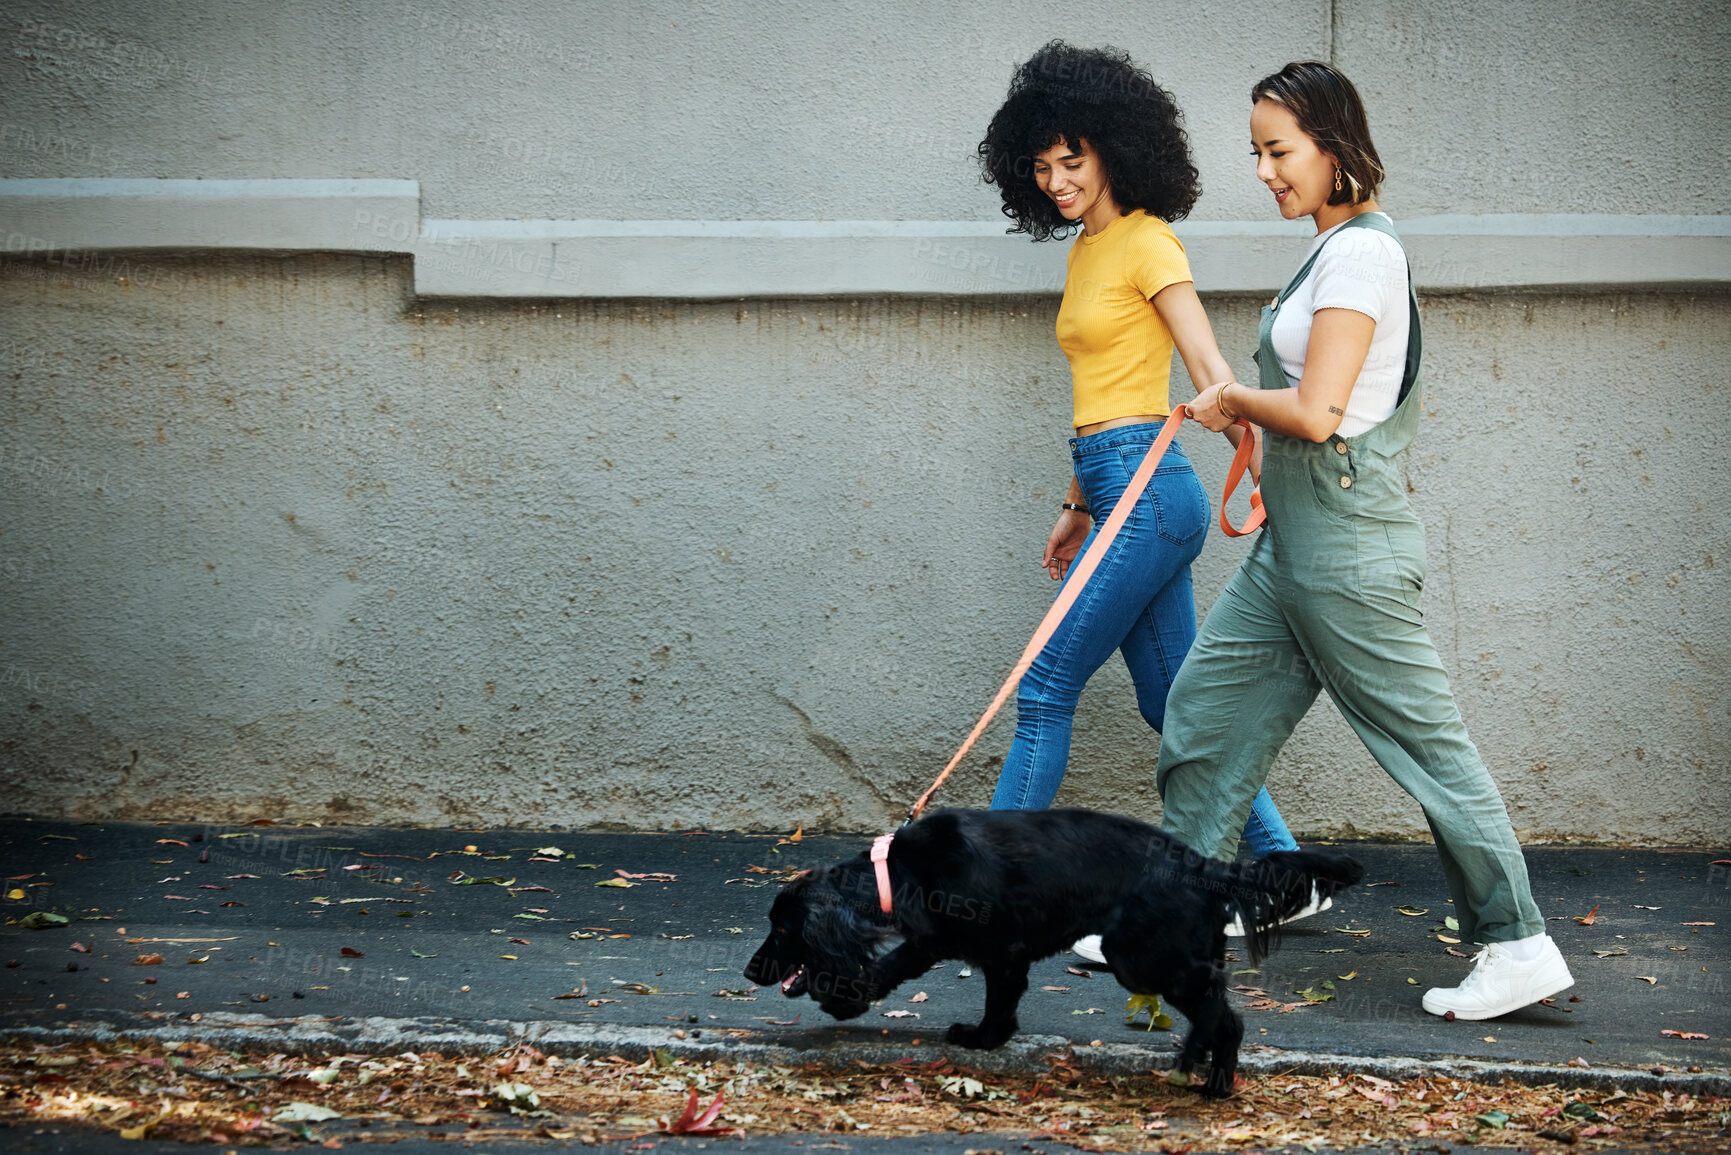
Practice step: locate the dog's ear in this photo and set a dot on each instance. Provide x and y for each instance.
(837, 955)
(843, 942)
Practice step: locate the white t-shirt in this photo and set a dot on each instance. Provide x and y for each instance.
(1363, 270)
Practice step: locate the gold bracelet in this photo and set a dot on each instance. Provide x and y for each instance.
(1220, 401)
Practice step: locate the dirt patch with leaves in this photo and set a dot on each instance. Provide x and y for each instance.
(195, 1092)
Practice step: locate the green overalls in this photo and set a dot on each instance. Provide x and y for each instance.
(1328, 598)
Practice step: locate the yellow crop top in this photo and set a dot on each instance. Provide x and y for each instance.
(1120, 350)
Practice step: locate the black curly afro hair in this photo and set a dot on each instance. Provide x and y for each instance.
(1069, 94)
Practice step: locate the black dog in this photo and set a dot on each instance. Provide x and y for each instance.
(1001, 889)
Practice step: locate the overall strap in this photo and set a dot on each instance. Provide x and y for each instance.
(1414, 340)
(1362, 221)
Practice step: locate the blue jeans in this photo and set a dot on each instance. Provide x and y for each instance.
(1138, 602)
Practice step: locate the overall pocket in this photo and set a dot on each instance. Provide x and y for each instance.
(1391, 562)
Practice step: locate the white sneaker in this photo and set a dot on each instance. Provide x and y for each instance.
(1316, 905)
(1499, 983)
(1088, 947)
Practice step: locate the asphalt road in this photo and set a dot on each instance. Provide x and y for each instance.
(349, 924)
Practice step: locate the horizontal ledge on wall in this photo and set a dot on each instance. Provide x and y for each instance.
(44, 219)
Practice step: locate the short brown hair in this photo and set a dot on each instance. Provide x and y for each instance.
(1330, 113)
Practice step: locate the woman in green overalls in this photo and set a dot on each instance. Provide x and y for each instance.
(1328, 598)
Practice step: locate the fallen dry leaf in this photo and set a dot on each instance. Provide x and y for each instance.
(1670, 1034)
(604, 1098)
(693, 1122)
(1587, 919)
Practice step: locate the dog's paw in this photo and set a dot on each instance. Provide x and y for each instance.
(1218, 1086)
(977, 1038)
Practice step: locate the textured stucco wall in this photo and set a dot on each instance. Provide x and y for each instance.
(278, 539)
(316, 551)
(847, 109)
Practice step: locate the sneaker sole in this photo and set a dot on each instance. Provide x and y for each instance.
(1479, 1016)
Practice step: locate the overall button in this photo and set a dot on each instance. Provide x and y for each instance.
(1345, 482)
(1340, 447)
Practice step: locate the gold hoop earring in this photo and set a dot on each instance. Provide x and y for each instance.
(1337, 178)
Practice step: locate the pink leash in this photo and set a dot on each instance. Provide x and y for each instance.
(1090, 561)
(1084, 569)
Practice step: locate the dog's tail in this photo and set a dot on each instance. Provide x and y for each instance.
(1264, 893)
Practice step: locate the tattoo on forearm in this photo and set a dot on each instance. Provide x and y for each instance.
(1336, 409)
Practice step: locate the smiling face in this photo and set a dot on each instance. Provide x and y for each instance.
(1074, 177)
(1293, 166)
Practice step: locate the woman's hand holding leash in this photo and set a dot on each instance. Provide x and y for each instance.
(1210, 410)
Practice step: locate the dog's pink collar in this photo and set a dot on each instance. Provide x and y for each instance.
(880, 864)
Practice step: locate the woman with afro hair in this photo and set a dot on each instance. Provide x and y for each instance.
(1088, 138)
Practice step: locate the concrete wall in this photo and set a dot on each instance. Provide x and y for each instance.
(281, 539)
(848, 109)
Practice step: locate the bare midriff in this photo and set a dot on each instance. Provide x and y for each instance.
(1102, 426)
